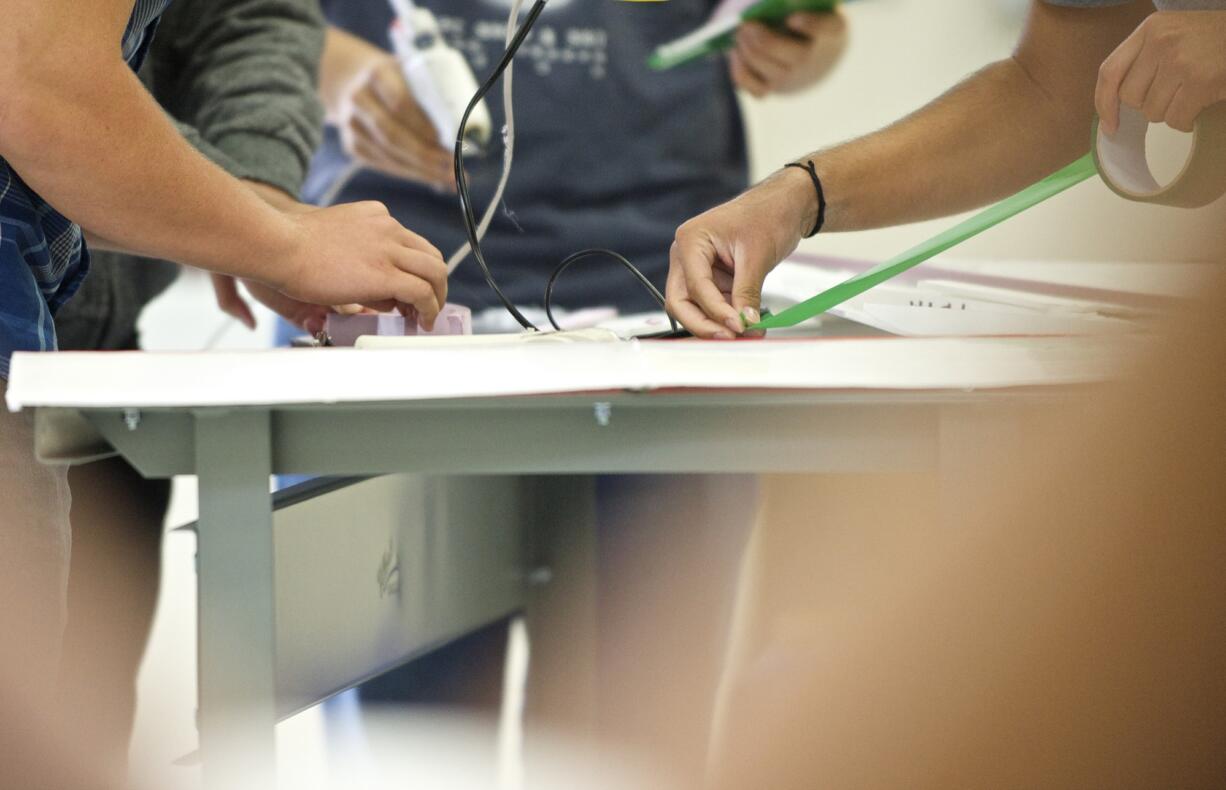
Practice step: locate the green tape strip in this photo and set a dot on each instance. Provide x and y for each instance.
(1051, 186)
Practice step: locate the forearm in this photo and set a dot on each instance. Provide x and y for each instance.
(103, 153)
(98, 243)
(985, 139)
(1001, 129)
(271, 195)
(345, 57)
(211, 152)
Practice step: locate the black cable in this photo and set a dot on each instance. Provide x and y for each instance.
(578, 256)
(470, 217)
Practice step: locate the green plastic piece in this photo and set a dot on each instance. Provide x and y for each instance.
(771, 12)
(1049, 187)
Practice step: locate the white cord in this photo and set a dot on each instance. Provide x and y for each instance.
(508, 155)
(512, 721)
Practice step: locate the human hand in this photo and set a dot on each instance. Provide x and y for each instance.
(721, 258)
(383, 128)
(768, 60)
(358, 254)
(306, 316)
(1171, 68)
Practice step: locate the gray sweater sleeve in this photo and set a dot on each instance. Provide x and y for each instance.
(240, 77)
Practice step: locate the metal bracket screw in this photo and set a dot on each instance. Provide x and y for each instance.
(604, 413)
(131, 418)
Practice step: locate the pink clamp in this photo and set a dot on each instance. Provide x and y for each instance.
(344, 330)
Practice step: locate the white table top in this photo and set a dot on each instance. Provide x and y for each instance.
(106, 380)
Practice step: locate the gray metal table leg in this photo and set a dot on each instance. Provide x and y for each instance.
(237, 604)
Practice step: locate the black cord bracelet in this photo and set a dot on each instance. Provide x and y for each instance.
(811, 169)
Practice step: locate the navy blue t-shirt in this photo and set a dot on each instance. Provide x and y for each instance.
(608, 153)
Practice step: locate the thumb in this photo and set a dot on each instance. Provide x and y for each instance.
(1111, 76)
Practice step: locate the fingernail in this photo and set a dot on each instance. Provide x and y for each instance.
(735, 325)
(721, 335)
(752, 316)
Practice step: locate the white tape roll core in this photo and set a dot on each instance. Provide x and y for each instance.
(1124, 166)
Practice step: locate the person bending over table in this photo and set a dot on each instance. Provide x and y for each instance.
(240, 78)
(1003, 128)
(608, 154)
(85, 152)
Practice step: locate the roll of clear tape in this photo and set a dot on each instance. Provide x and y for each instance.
(1124, 166)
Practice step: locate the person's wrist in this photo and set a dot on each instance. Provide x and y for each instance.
(277, 266)
(800, 200)
(279, 199)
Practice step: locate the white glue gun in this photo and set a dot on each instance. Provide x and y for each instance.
(440, 78)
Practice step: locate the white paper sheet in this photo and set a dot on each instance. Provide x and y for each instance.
(1001, 305)
(914, 321)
